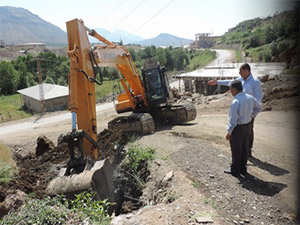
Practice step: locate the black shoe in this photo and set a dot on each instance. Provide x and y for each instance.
(230, 172)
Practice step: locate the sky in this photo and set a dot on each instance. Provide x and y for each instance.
(149, 18)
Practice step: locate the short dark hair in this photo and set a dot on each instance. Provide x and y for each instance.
(246, 66)
(237, 85)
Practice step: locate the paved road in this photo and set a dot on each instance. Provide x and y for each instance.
(35, 123)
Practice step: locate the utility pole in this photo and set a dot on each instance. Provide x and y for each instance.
(41, 89)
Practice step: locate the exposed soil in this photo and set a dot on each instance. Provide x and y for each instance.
(35, 171)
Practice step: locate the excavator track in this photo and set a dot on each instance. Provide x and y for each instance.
(136, 122)
(178, 113)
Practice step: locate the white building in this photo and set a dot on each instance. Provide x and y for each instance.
(55, 97)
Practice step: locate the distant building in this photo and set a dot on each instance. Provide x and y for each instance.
(2, 44)
(55, 97)
(30, 45)
(204, 40)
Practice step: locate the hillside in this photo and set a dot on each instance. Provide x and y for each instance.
(19, 26)
(267, 39)
(165, 40)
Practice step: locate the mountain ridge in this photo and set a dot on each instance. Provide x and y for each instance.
(19, 25)
(166, 40)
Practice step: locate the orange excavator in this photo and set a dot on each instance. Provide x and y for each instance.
(148, 97)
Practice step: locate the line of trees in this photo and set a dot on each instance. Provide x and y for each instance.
(22, 72)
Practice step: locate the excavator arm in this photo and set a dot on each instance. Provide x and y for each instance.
(82, 102)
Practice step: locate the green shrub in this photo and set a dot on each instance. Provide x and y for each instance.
(85, 205)
(35, 211)
(7, 165)
(59, 210)
(135, 167)
(6, 172)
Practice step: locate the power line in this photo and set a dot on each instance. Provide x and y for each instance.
(130, 12)
(149, 19)
(112, 12)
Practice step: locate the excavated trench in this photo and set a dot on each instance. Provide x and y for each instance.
(35, 171)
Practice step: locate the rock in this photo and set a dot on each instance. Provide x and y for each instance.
(246, 221)
(267, 108)
(272, 77)
(264, 78)
(204, 219)
(289, 216)
(43, 145)
(276, 89)
(167, 178)
(127, 207)
(12, 202)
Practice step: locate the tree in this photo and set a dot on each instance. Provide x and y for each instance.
(49, 80)
(132, 53)
(8, 78)
(161, 56)
(62, 81)
(170, 60)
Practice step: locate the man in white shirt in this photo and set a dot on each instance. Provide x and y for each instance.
(243, 109)
(251, 86)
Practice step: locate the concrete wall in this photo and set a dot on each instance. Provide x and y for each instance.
(56, 104)
(51, 105)
(31, 103)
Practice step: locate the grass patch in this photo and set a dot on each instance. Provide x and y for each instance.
(135, 169)
(59, 210)
(238, 56)
(106, 88)
(196, 184)
(201, 59)
(7, 165)
(11, 108)
(6, 155)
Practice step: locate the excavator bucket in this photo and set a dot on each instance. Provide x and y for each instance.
(98, 179)
(82, 173)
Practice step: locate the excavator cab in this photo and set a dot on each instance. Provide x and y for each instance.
(156, 85)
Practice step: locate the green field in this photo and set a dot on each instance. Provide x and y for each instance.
(11, 108)
(106, 88)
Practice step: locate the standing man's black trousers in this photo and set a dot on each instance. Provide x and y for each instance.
(251, 138)
(239, 144)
